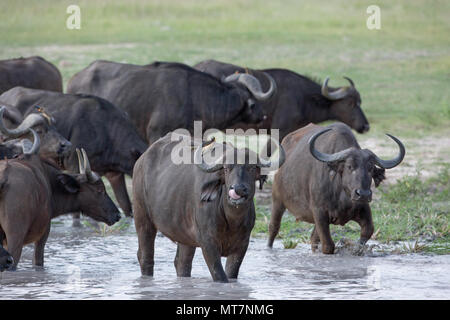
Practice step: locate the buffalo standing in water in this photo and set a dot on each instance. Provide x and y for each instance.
(196, 205)
(327, 180)
(102, 129)
(34, 191)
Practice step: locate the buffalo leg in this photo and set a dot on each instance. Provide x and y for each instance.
(146, 232)
(38, 259)
(183, 260)
(76, 222)
(212, 257)
(234, 262)
(314, 240)
(364, 219)
(117, 181)
(322, 227)
(14, 247)
(275, 220)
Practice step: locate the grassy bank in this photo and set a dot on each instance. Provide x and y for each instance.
(413, 209)
(400, 70)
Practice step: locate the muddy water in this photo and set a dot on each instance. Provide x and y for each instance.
(82, 264)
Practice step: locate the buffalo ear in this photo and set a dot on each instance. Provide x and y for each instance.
(335, 167)
(69, 183)
(378, 175)
(211, 190)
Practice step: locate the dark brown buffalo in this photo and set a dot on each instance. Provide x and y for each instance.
(163, 96)
(327, 181)
(195, 205)
(298, 100)
(102, 129)
(6, 260)
(32, 72)
(53, 144)
(33, 191)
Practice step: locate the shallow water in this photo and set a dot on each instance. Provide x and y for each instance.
(82, 264)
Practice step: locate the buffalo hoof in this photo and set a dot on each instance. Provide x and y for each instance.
(328, 249)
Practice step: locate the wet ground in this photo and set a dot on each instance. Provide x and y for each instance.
(86, 264)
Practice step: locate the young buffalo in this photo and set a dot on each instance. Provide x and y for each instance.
(327, 182)
(196, 205)
(33, 191)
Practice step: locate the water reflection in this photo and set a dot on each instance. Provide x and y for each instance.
(81, 264)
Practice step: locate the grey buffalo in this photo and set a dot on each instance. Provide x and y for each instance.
(206, 205)
(298, 100)
(162, 96)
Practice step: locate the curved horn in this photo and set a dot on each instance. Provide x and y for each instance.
(30, 121)
(92, 176)
(389, 164)
(253, 85)
(335, 95)
(281, 158)
(198, 160)
(81, 167)
(34, 149)
(325, 157)
(349, 80)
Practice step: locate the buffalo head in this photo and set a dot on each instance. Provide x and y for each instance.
(251, 94)
(90, 191)
(237, 169)
(357, 167)
(346, 105)
(53, 145)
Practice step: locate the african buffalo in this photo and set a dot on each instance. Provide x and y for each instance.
(327, 181)
(162, 96)
(6, 260)
(298, 100)
(11, 148)
(34, 191)
(31, 72)
(53, 144)
(196, 205)
(103, 130)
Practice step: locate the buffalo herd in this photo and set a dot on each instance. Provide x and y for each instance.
(116, 119)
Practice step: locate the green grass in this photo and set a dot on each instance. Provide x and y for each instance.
(413, 209)
(401, 70)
